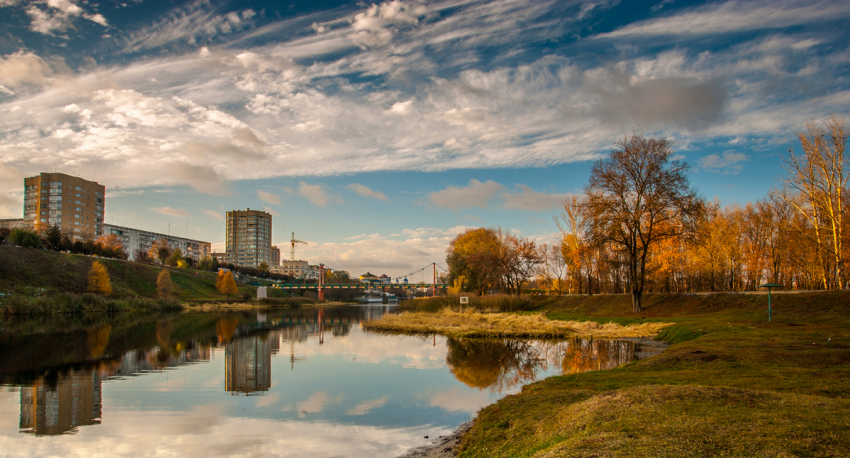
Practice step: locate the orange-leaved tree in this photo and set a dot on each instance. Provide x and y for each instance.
(227, 285)
(164, 286)
(99, 279)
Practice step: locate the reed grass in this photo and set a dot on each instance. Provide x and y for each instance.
(470, 323)
(495, 303)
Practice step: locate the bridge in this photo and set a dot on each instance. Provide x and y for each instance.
(316, 286)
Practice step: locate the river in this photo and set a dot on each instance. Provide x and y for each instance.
(297, 382)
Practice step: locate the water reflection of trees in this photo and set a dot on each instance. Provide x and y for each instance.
(584, 355)
(503, 364)
(495, 364)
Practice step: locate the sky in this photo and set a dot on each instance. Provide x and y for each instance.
(379, 131)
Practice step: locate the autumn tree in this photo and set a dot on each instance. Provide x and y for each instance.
(637, 197)
(164, 286)
(574, 224)
(470, 261)
(227, 285)
(98, 279)
(818, 179)
(160, 250)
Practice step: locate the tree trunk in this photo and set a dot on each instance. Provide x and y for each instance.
(636, 295)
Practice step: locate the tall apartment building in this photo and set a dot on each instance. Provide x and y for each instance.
(137, 239)
(275, 257)
(249, 238)
(73, 204)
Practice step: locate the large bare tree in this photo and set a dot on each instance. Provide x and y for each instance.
(818, 180)
(637, 197)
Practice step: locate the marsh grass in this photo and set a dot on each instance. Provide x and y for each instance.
(496, 303)
(470, 323)
(69, 303)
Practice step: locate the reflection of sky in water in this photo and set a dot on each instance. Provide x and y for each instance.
(356, 394)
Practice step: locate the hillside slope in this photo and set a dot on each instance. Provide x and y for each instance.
(31, 272)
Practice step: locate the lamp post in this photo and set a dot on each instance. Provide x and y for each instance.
(769, 286)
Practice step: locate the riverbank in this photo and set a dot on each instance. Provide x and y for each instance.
(730, 384)
(470, 323)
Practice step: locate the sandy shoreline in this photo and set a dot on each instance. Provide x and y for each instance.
(441, 447)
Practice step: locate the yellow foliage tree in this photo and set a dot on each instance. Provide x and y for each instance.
(164, 286)
(99, 279)
(227, 285)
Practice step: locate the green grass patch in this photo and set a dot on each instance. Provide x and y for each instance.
(731, 384)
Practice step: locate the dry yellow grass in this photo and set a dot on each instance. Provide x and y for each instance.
(475, 324)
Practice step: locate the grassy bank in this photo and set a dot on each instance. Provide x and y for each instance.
(731, 384)
(470, 323)
(64, 303)
(32, 275)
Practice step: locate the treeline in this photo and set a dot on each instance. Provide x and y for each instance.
(54, 239)
(641, 227)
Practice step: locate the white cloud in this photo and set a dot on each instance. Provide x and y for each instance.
(270, 211)
(525, 198)
(734, 16)
(400, 108)
(477, 194)
(366, 192)
(364, 407)
(317, 402)
(190, 24)
(456, 400)
(316, 194)
(729, 162)
(169, 211)
(51, 16)
(268, 197)
(214, 214)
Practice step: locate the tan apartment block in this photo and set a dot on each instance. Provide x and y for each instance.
(248, 239)
(73, 204)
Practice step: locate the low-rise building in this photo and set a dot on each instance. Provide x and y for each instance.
(137, 239)
(295, 269)
(16, 223)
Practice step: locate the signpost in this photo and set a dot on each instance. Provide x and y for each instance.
(769, 286)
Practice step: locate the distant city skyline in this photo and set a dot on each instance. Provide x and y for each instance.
(378, 131)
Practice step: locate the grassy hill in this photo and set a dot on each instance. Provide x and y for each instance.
(731, 384)
(33, 272)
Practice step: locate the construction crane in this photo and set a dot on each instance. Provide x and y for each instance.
(292, 253)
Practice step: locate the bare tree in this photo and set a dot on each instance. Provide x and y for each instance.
(818, 179)
(638, 197)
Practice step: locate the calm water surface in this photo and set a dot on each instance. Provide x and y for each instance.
(303, 382)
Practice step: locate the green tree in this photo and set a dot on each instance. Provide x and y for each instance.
(53, 237)
(205, 264)
(264, 267)
(175, 257)
(164, 286)
(24, 238)
(98, 279)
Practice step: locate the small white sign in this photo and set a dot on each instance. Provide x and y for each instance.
(464, 300)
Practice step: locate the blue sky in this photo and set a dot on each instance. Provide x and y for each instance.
(378, 131)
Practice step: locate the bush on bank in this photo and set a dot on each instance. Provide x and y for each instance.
(81, 303)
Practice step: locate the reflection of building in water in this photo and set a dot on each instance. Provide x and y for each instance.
(74, 400)
(247, 364)
(583, 355)
(137, 361)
